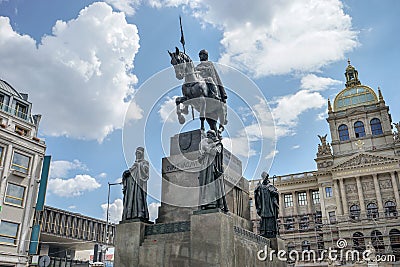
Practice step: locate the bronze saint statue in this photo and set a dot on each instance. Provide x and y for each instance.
(134, 189)
(211, 182)
(267, 204)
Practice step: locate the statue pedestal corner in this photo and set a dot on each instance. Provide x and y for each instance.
(211, 239)
(129, 235)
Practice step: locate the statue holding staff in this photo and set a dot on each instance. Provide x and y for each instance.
(267, 204)
(211, 182)
(134, 189)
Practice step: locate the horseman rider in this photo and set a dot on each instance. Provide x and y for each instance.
(216, 90)
(208, 72)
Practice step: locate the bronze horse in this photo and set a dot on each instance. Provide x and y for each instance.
(200, 93)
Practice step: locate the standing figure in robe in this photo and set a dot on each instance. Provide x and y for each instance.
(134, 189)
(267, 204)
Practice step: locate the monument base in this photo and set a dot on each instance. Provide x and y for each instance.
(208, 239)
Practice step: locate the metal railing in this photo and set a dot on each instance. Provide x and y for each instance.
(75, 226)
(14, 112)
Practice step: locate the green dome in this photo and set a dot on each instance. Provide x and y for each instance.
(358, 95)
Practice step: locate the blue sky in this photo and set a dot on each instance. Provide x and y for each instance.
(81, 61)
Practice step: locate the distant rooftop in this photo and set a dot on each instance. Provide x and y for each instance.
(8, 88)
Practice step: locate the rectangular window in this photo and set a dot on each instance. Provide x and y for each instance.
(288, 199)
(289, 223)
(15, 194)
(1, 101)
(20, 162)
(8, 232)
(21, 111)
(1, 155)
(328, 191)
(302, 199)
(315, 197)
(304, 222)
(332, 217)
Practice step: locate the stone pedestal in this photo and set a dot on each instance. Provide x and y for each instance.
(183, 236)
(277, 244)
(211, 240)
(180, 184)
(128, 238)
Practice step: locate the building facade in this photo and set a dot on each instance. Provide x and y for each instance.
(21, 157)
(354, 193)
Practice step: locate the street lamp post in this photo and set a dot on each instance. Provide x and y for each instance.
(108, 209)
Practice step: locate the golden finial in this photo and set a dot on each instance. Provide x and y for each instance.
(380, 95)
(329, 106)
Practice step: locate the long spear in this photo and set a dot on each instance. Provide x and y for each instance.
(183, 44)
(182, 37)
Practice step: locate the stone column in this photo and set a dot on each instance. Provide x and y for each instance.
(343, 198)
(378, 194)
(309, 201)
(395, 189)
(281, 205)
(322, 202)
(360, 195)
(337, 198)
(295, 203)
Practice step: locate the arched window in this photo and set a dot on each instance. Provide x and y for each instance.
(358, 241)
(355, 212)
(372, 211)
(394, 236)
(305, 245)
(376, 127)
(390, 209)
(359, 129)
(377, 241)
(343, 132)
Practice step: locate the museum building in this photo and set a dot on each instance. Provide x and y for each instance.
(21, 158)
(354, 193)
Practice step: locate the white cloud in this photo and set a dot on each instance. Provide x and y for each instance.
(314, 83)
(115, 210)
(102, 175)
(276, 37)
(167, 110)
(239, 145)
(272, 154)
(153, 210)
(288, 108)
(72, 207)
(61, 168)
(72, 187)
(322, 116)
(274, 123)
(296, 147)
(127, 6)
(79, 76)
